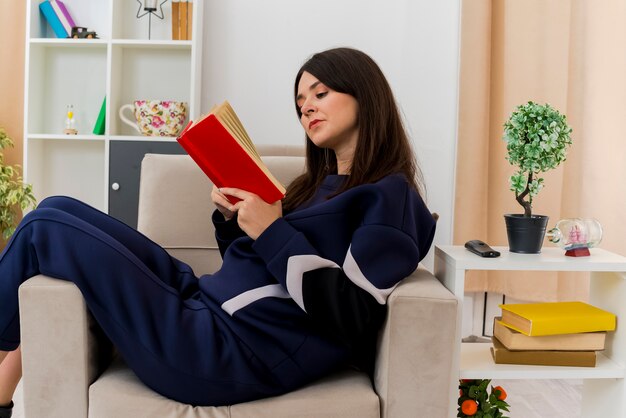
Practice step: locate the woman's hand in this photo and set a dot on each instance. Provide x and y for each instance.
(221, 203)
(254, 215)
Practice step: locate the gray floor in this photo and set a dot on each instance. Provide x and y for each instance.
(542, 398)
(528, 398)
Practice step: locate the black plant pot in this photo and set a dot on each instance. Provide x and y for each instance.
(525, 233)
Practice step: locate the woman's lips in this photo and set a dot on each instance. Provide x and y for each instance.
(313, 123)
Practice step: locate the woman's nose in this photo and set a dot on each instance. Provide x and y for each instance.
(308, 108)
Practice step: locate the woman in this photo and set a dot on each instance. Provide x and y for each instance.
(304, 282)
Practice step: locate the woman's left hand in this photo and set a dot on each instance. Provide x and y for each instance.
(254, 215)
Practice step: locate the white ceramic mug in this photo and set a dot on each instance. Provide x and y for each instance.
(156, 117)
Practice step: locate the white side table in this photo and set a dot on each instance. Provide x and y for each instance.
(604, 391)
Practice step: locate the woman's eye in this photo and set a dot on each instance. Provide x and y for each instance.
(321, 95)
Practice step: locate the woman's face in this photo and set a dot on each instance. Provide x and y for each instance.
(329, 118)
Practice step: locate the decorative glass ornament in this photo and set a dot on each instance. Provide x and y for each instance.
(576, 235)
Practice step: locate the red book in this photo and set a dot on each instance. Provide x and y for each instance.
(221, 147)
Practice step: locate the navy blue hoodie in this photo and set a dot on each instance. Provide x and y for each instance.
(309, 295)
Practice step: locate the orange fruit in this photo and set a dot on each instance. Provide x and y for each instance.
(469, 407)
(502, 393)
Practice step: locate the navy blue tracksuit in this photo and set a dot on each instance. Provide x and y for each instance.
(308, 296)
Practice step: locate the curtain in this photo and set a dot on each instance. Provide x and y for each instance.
(570, 54)
(12, 33)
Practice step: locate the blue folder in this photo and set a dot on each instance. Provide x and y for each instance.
(53, 19)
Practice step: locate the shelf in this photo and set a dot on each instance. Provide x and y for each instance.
(126, 43)
(154, 73)
(126, 25)
(65, 73)
(121, 65)
(550, 259)
(96, 17)
(477, 363)
(69, 42)
(143, 138)
(103, 138)
(61, 166)
(63, 137)
(602, 383)
(159, 44)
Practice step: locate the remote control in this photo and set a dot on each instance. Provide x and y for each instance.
(478, 247)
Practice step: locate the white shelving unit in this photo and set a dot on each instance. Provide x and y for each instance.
(604, 390)
(122, 65)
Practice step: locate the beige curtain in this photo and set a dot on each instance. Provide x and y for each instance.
(12, 38)
(12, 23)
(571, 54)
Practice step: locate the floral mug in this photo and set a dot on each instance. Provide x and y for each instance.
(156, 117)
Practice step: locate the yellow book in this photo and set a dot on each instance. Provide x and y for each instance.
(551, 318)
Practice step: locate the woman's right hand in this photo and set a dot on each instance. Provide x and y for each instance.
(221, 203)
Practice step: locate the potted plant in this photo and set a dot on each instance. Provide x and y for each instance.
(14, 194)
(537, 137)
(474, 400)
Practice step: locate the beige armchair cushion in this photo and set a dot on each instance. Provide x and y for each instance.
(118, 393)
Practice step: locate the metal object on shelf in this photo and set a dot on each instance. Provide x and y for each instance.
(149, 7)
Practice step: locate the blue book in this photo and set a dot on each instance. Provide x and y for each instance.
(53, 19)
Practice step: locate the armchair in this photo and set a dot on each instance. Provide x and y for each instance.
(69, 370)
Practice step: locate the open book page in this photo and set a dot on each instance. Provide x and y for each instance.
(227, 116)
(229, 119)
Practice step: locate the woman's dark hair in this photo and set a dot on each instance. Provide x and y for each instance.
(383, 146)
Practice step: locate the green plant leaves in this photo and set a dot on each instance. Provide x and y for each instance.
(488, 404)
(537, 138)
(14, 193)
(517, 182)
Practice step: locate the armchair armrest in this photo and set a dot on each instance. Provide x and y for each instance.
(416, 348)
(60, 348)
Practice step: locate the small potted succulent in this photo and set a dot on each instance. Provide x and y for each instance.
(14, 194)
(537, 137)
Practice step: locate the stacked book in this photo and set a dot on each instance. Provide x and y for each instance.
(58, 17)
(550, 334)
(182, 19)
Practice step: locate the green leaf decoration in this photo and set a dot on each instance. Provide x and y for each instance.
(537, 138)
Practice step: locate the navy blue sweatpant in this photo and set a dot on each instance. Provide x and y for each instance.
(178, 342)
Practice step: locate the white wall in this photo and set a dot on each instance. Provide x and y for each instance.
(253, 49)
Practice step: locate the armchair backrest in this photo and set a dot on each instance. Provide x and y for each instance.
(175, 203)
